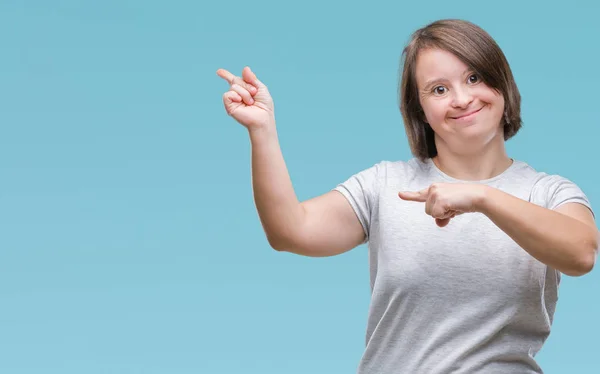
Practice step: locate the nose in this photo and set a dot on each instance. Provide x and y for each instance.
(462, 97)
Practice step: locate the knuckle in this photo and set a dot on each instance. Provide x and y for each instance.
(241, 90)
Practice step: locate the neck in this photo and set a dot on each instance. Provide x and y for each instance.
(481, 164)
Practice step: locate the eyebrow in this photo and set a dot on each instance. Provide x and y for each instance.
(431, 82)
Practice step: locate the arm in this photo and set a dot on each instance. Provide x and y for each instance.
(565, 239)
(322, 226)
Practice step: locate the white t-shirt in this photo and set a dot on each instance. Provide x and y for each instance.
(460, 299)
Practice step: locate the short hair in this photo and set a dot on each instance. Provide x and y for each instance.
(478, 50)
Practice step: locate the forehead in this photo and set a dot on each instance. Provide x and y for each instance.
(437, 64)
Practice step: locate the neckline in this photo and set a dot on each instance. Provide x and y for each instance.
(429, 162)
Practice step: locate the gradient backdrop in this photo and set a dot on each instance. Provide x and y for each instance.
(129, 242)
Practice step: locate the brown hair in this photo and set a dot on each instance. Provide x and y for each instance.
(478, 50)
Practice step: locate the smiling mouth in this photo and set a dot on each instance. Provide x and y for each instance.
(468, 114)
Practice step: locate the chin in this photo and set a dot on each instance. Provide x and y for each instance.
(480, 137)
(470, 135)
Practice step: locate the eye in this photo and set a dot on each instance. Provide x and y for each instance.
(440, 90)
(473, 78)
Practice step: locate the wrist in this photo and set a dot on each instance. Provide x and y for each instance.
(266, 131)
(482, 198)
(267, 126)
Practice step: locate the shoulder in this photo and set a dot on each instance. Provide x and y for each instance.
(538, 179)
(386, 173)
(552, 190)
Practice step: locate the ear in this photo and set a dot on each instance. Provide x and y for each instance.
(506, 119)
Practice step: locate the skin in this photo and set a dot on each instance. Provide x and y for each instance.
(465, 115)
(469, 148)
(319, 227)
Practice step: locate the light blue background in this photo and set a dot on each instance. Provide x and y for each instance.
(129, 242)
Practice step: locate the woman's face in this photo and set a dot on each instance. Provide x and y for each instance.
(464, 112)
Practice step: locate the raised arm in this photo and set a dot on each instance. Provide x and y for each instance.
(322, 226)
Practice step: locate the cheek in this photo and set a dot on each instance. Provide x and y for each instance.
(495, 99)
(435, 111)
(497, 108)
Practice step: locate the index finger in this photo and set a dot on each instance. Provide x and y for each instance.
(226, 75)
(420, 196)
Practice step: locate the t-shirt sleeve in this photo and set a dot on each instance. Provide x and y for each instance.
(361, 191)
(552, 191)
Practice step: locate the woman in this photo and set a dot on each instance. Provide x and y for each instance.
(466, 245)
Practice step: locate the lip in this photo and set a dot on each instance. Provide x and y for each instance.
(468, 115)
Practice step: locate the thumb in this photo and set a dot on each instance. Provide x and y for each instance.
(420, 196)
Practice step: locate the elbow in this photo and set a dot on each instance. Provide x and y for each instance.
(277, 243)
(584, 267)
(592, 253)
(290, 244)
(277, 246)
(587, 261)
